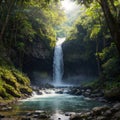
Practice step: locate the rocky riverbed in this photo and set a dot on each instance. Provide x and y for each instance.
(108, 111)
(87, 92)
(100, 113)
(31, 115)
(105, 112)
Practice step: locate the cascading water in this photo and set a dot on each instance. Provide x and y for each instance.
(58, 63)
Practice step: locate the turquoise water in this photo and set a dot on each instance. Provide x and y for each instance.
(57, 102)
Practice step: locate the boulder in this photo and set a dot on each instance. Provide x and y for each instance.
(75, 117)
(86, 94)
(117, 106)
(107, 113)
(39, 92)
(75, 91)
(69, 113)
(78, 92)
(59, 92)
(99, 110)
(96, 95)
(117, 115)
(40, 114)
(113, 94)
(102, 99)
(29, 114)
(88, 90)
(81, 116)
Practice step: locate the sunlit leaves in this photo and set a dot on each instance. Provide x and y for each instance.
(95, 31)
(94, 10)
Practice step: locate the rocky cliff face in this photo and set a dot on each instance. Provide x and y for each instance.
(37, 49)
(78, 59)
(38, 58)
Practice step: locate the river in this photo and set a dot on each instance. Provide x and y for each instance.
(57, 105)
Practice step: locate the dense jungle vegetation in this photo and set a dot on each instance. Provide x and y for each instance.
(29, 28)
(94, 39)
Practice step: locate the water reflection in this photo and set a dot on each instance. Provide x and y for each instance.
(58, 102)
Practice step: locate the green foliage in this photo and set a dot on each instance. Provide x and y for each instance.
(108, 52)
(111, 69)
(69, 20)
(30, 21)
(89, 37)
(110, 63)
(3, 92)
(12, 82)
(111, 85)
(10, 90)
(21, 78)
(95, 31)
(25, 29)
(92, 84)
(79, 39)
(20, 46)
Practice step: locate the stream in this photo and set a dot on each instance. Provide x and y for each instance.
(56, 104)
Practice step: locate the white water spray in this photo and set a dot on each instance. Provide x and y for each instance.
(58, 63)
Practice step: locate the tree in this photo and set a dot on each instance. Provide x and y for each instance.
(111, 10)
(6, 8)
(25, 22)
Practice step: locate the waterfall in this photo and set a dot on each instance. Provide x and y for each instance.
(58, 63)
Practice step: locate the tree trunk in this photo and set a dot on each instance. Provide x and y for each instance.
(6, 22)
(97, 57)
(113, 24)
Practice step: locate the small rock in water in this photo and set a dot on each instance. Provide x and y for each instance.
(59, 92)
(69, 113)
(9, 108)
(87, 98)
(35, 116)
(88, 90)
(39, 111)
(29, 114)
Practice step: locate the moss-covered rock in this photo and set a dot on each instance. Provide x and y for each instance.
(13, 83)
